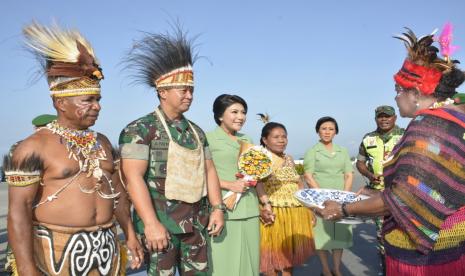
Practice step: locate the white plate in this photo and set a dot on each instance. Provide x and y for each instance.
(352, 220)
(315, 197)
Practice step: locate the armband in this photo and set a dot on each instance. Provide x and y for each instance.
(24, 173)
(22, 179)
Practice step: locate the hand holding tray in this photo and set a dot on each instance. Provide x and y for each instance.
(314, 198)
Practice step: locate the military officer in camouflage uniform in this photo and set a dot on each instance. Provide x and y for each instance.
(167, 163)
(373, 151)
(377, 145)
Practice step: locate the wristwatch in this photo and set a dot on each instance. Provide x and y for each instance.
(220, 206)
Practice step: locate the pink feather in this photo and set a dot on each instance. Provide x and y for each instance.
(445, 40)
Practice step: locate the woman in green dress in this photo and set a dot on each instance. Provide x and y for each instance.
(328, 166)
(236, 251)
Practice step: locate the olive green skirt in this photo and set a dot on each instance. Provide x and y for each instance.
(237, 250)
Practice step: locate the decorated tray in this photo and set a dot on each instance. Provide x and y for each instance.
(314, 198)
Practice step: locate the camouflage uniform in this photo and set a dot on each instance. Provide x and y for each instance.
(146, 139)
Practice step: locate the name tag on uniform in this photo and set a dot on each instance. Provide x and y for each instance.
(159, 157)
(371, 142)
(159, 144)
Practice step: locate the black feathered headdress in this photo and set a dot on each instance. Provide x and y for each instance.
(162, 60)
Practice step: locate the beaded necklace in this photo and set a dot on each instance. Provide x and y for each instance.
(447, 101)
(83, 147)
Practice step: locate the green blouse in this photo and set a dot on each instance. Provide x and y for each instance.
(328, 168)
(225, 153)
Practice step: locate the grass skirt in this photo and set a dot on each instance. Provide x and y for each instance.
(288, 242)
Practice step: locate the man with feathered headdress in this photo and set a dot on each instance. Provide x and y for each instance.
(62, 193)
(167, 163)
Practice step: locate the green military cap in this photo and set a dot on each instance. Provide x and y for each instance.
(43, 119)
(385, 109)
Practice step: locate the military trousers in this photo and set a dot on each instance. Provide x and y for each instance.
(186, 252)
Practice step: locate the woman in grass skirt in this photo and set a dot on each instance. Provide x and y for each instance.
(286, 228)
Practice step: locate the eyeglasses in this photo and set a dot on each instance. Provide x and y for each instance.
(401, 90)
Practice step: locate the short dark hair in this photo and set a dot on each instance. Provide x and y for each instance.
(325, 119)
(266, 130)
(222, 102)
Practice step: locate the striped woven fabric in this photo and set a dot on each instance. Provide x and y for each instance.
(425, 189)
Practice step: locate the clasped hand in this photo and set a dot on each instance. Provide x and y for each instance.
(266, 215)
(331, 211)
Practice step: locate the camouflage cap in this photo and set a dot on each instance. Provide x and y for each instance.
(385, 109)
(43, 119)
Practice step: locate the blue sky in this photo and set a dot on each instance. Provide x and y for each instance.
(296, 60)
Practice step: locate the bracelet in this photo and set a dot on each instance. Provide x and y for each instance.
(343, 209)
(265, 203)
(220, 207)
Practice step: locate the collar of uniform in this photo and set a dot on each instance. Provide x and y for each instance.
(321, 148)
(182, 123)
(222, 135)
(387, 136)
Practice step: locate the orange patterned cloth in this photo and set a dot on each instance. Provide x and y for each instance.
(183, 76)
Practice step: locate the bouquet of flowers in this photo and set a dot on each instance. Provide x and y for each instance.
(254, 164)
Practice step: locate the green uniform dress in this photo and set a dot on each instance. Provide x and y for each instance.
(328, 169)
(237, 250)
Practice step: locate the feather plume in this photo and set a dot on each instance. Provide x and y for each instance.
(265, 118)
(64, 52)
(445, 41)
(157, 54)
(421, 51)
(55, 43)
(31, 163)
